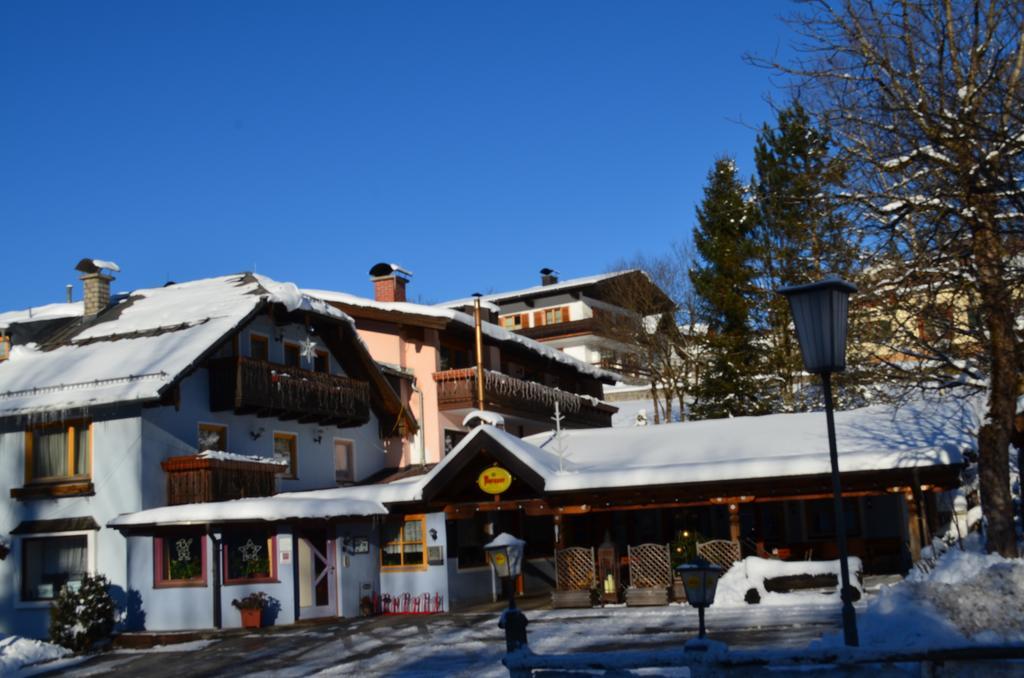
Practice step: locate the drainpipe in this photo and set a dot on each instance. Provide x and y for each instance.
(479, 353)
(423, 425)
(216, 557)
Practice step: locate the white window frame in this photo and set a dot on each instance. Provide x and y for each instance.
(90, 559)
(352, 459)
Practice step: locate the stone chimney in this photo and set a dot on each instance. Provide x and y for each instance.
(548, 276)
(389, 281)
(96, 284)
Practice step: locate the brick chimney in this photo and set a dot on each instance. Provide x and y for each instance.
(548, 276)
(389, 281)
(96, 283)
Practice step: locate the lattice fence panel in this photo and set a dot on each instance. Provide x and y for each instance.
(574, 569)
(720, 552)
(649, 566)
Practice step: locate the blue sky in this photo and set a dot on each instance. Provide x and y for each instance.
(472, 142)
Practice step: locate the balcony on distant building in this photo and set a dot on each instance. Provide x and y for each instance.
(257, 387)
(456, 390)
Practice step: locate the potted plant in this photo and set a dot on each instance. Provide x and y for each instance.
(251, 607)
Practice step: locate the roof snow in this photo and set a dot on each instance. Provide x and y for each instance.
(499, 297)
(492, 331)
(136, 348)
(279, 507)
(47, 312)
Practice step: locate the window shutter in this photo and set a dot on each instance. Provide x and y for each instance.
(538, 318)
(565, 314)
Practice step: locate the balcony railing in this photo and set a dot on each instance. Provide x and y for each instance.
(192, 479)
(456, 389)
(256, 387)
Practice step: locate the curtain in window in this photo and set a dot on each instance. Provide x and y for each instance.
(50, 453)
(51, 562)
(82, 450)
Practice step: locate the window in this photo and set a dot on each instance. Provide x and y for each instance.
(259, 347)
(821, 518)
(49, 563)
(213, 437)
(322, 362)
(344, 455)
(179, 559)
(556, 315)
(61, 451)
(249, 557)
(5, 347)
(292, 355)
(453, 358)
(404, 543)
(452, 439)
(512, 322)
(285, 449)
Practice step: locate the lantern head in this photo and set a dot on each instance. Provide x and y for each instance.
(820, 314)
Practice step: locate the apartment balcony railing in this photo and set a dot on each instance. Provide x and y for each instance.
(193, 478)
(250, 386)
(565, 329)
(456, 389)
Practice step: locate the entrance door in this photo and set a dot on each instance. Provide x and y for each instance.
(317, 587)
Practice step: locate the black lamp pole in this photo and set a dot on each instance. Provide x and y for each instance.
(820, 316)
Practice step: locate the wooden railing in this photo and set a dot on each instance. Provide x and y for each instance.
(192, 479)
(254, 386)
(456, 389)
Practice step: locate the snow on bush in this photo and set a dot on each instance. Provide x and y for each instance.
(83, 615)
(17, 652)
(751, 573)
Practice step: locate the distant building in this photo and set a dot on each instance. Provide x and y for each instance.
(568, 314)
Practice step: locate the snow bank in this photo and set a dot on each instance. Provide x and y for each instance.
(751, 573)
(17, 653)
(231, 456)
(970, 596)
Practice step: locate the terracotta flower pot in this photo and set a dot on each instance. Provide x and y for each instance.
(251, 617)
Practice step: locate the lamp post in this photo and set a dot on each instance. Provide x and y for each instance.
(820, 314)
(505, 554)
(700, 581)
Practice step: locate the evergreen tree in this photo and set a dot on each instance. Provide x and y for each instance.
(724, 283)
(801, 236)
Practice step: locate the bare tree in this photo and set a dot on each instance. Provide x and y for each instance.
(925, 101)
(661, 338)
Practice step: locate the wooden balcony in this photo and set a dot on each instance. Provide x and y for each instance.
(250, 386)
(192, 479)
(456, 389)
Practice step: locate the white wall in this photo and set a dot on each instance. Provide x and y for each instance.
(116, 475)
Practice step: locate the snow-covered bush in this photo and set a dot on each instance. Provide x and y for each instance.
(84, 615)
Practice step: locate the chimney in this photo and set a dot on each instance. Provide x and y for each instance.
(96, 284)
(548, 276)
(389, 281)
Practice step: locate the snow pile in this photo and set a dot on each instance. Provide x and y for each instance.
(231, 456)
(17, 653)
(751, 573)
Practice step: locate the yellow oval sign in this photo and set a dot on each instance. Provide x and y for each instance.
(494, 480)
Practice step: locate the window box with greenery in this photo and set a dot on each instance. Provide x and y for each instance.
(179, 559)
(58, 460)
(405, 544)
(249, 557)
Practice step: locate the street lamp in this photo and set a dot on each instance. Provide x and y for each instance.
(505, 553)
(820, 314)
(700, 581)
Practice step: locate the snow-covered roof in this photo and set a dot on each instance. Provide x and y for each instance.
(46, 312)
(921, 433)
(139, 346)
(490, 330)
(292, 506)
(498, 297)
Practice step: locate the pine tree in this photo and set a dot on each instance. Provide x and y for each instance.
(724, 284)
(801, 236)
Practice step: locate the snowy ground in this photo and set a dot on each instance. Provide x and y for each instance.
(17, 653)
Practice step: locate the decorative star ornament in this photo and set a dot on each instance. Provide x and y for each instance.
(250, 551)
(308, 350)
(184, 547)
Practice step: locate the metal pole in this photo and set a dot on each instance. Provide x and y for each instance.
(510, 582)
(479, 355)
(700, 614)
(849, 616)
